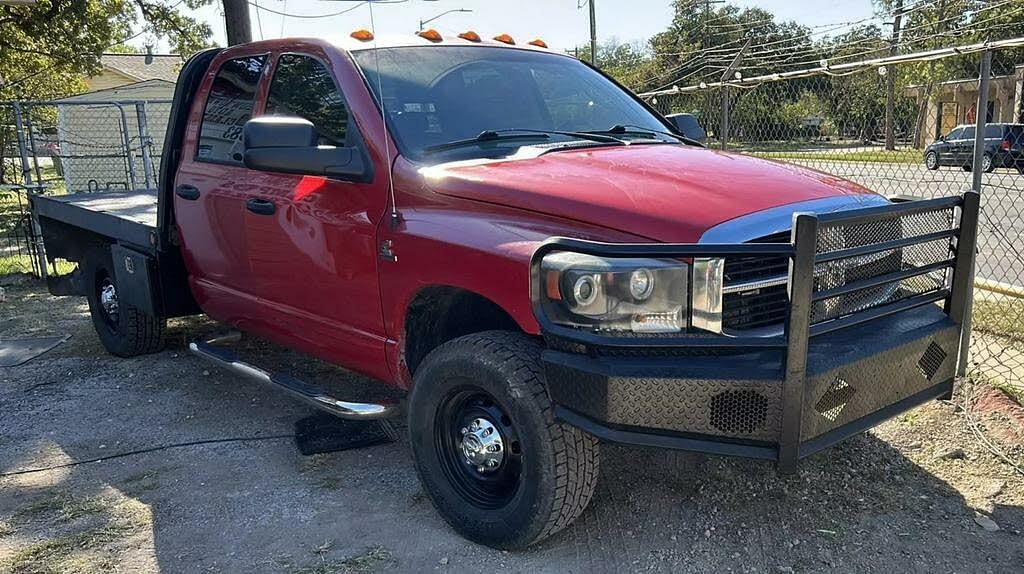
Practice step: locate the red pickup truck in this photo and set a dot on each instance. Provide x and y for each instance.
(539, 258)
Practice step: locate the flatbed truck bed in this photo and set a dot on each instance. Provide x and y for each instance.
(129, 217)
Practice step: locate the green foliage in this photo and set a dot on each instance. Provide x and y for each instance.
(46, 48)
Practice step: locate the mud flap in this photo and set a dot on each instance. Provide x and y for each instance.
(134, 274)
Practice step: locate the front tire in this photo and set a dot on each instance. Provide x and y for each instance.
(931, 160)
(498, 467)
(124, 330)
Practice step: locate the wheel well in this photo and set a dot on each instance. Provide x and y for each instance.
(439, 314)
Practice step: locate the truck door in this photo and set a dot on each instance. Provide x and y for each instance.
(210, 187)
(310, 240)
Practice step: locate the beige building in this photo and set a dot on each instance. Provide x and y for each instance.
(955, 102)
(123, 69)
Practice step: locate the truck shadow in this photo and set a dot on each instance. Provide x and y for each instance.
(258, 505)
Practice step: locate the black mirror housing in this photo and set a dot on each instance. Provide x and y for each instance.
(288, 145)
(687, 125)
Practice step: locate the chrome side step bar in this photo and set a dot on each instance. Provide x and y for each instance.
(316, 397)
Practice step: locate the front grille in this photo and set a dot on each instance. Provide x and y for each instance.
(759, 306)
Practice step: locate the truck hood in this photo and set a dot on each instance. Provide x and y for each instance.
(662, 192)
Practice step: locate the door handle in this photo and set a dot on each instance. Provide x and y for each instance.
(188, 192)
(260, 206)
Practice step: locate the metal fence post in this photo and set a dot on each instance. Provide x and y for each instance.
(32, 146)
(725, 117)
(129, 160)
(976, 173)
(19, 132)
(798, 333)
(146, 143)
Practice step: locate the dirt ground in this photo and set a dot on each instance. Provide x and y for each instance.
(196, 471)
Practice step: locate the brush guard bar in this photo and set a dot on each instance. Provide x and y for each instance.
(850, 355)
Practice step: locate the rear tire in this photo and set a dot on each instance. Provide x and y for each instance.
(124, 330)
(538, 478)
(931, 160)
(987, 163)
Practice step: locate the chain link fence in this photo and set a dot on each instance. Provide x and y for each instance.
(836, 122)
(71, 147)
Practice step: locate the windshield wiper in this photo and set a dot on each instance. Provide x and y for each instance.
(513, 134)
(630, 129)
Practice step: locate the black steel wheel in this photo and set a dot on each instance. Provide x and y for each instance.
(123, 329)
(497, 465)
(480, 448)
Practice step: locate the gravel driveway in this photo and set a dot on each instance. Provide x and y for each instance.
(919, 494)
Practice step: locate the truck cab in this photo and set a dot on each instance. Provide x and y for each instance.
(529, 250)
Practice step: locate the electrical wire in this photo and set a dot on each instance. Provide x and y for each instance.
(146, 451)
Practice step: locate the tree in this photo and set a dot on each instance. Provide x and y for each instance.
(624, 62)
(47, 47)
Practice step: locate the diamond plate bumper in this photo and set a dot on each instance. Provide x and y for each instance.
(732, 404)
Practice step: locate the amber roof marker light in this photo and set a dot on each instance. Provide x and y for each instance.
(431, 34)
(505, 39)
(539, 43)
(470, 36)
(362, 35)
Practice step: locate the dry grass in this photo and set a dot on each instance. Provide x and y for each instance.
(1002, 317)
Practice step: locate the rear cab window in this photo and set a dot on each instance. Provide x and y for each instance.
(230, 103)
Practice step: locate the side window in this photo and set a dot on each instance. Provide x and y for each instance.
(228, 106)
(955, 134)
(968, 134)
(303, 87)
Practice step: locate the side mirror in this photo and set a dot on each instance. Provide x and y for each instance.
(687, 125)
(288, 145)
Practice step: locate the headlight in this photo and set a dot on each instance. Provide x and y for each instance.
(622, 294)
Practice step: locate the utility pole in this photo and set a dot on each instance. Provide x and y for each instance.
(890, 79)
(236, 21)
(726, 76)
(593, 33)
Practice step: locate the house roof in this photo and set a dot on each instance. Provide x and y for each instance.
(151, 90)
(143, 67)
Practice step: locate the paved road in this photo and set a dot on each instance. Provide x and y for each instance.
(1001, 234)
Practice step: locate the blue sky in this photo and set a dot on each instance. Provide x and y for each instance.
(558, 22)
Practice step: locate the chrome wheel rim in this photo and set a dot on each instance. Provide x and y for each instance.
(108, 301)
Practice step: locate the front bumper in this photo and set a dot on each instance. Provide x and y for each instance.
(828, 376)
(733, 404)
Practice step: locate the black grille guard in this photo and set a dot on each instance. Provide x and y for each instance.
(811, 250)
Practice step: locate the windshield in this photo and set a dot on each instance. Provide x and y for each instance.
(441, 94)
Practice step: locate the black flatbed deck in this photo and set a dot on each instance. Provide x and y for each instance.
(127, 216)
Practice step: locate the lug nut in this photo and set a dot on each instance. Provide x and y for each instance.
(488, 431)
(494, 448)
(492, 463)
(464, 430)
